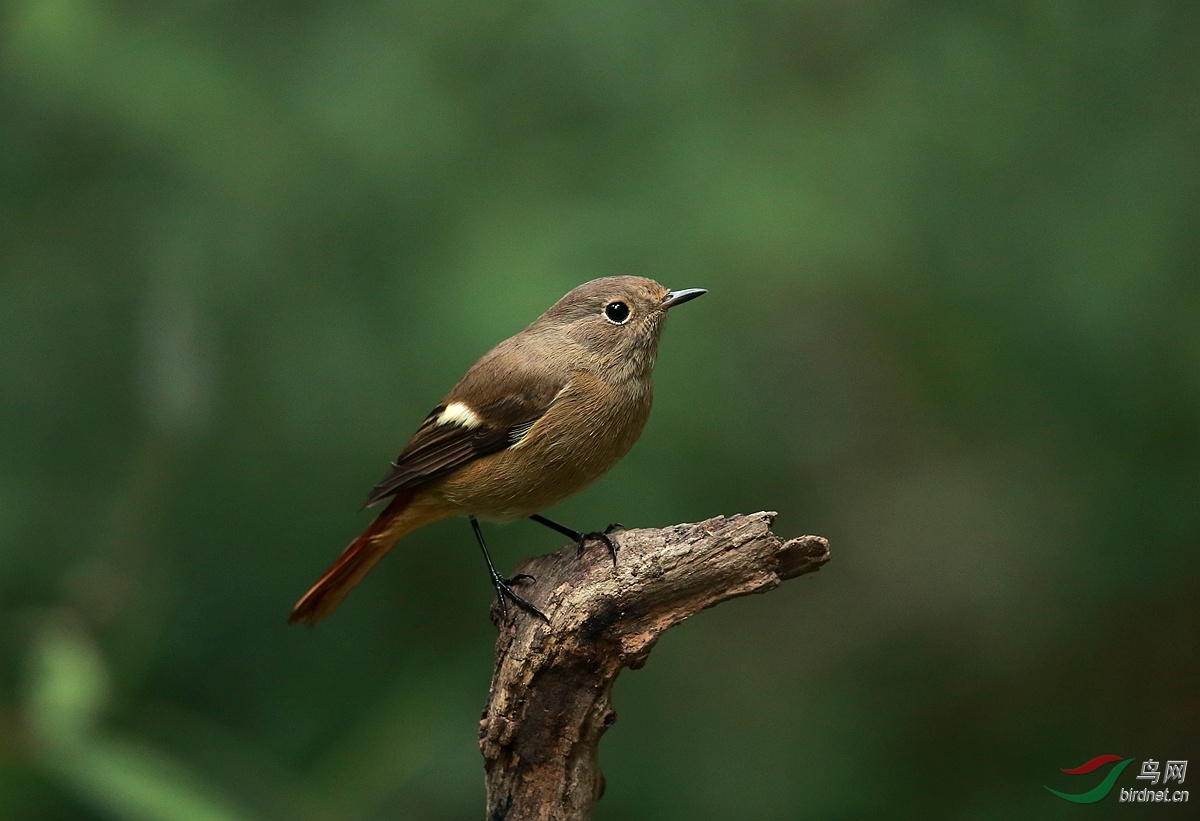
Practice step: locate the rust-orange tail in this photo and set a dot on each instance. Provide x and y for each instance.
(359, 557)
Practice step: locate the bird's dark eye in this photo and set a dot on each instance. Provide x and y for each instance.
(616, 312)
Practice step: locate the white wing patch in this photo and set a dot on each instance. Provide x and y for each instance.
(516, 435)
(456, 413)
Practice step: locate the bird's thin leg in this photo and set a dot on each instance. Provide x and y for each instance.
(579, 538)
(502, 584)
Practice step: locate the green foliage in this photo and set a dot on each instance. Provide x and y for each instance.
(952, 256)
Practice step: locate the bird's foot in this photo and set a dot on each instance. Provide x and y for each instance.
(604, 536)
(505, 591)
(581, 539)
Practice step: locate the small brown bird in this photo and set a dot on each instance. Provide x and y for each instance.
(540, 417)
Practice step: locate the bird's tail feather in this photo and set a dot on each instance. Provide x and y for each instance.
(359, 557)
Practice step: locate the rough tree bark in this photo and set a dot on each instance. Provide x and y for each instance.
(550, 696)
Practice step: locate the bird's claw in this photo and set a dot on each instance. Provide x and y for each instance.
(603, 536)
(503, 591)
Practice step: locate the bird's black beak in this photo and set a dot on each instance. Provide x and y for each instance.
(674, 298)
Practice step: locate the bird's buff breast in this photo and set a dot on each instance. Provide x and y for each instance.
(587, 431)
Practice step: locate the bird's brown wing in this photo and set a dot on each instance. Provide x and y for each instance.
(503, 414)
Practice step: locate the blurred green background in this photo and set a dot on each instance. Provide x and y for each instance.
(953, 325)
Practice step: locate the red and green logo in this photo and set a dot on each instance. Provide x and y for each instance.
(1100, 790)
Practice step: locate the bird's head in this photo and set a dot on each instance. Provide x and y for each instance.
(616, 321)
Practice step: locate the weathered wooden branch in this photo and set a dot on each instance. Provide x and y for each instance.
(550, 696)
